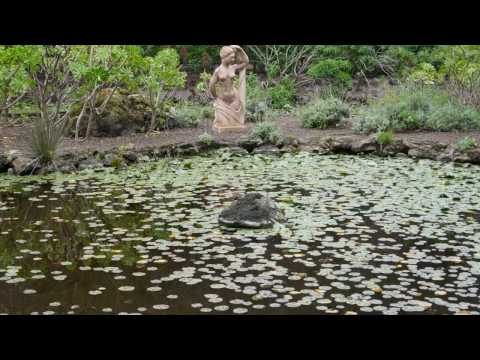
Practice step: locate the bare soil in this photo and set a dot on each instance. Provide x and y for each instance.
(16, 137)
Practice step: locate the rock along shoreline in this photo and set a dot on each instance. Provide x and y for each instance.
(16, 163)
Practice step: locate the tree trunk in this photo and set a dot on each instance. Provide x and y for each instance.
(153, 121)
(89, 124)
(152, 103)
(79, 120)
(92, 114)
(107, 100)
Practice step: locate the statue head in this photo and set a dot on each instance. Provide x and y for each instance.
(227, 54)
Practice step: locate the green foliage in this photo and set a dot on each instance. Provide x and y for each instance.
(192, 55)
(385, 138)
(374, 60)
(15, 82)
(282, 60)
(257, 113)
(283, 94)
(466, 144)
(452, 116)
(424, 74)
(202, 85)
(202, 94)
(258, 99)
(267, 132)
(461, 65)
(55, 88)
(412, 108)
(159, 76)
(106, 65)
(256, 92)
(336, 70)
(197, 56)
(188, 115)
(102, 66)
(206, 139)
(361, 57)
(323, 113)
(273, 70)
(462, 62)
(161, 73)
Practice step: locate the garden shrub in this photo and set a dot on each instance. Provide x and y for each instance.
(258, 100)
(336, 70)
(206, 139)
(413, 108)
(256, 92)
(466, 144)
(268, 132)
(257, 112)
(189, 115)
(283, 94)
(424, 74)
(282, 60)
(453, 116)
(202, 94)
(324, 113)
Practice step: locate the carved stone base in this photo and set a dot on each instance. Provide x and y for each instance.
(221, 130)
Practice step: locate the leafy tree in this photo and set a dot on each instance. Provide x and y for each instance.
(282, 60)
(54, 89)
(159, 77)
(461, 68)
(199, 57)
(100, 67)
(14, 79)
(424, 74)
(54, 84)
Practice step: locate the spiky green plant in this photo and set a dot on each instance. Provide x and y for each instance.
(46, 138)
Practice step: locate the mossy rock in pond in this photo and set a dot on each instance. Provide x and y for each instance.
(113, 160)
(474, 156)
(253, 211)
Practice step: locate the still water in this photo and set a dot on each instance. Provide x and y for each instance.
(363, 235)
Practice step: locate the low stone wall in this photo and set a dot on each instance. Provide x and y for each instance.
(18, 164)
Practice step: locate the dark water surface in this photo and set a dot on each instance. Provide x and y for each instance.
(363, 235)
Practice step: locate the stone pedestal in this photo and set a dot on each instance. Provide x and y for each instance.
(230, 129)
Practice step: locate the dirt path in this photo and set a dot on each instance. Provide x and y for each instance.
(16, 137)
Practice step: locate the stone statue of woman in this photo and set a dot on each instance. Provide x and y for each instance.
(229, 101)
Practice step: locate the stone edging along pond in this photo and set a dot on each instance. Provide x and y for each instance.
(16, 163)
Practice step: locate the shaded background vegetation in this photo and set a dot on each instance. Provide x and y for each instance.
(78, 90)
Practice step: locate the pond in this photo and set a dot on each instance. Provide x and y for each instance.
(363, 235)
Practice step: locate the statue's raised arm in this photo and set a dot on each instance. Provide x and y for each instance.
(242, 57)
